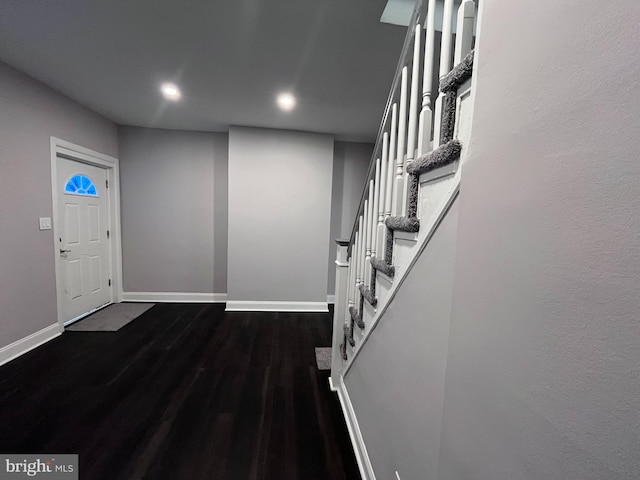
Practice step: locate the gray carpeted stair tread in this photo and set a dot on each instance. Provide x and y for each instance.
(441, 156)
(458, 75)
(356, 317)
(372, 288)
(348, 334)
(448, 123)
(367, 294)
(412, 203)
(384, 267)
(403, 224)
(388, 247)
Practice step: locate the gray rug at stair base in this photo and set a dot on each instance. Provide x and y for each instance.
(323, 358)
(111, 318)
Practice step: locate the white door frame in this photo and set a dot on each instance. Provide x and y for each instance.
(112, 166)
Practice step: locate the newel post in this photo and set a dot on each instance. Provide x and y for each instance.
(339, 307)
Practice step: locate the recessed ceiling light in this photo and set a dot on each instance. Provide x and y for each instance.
(170, 91)
(286, 101)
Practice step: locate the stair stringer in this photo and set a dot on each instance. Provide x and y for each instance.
(427, 230)
(397, 387)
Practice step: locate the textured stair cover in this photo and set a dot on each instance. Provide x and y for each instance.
(348, 334)
(441, 156)
(458, 75)
(403, 224)
(388, 247)
(448, 117)
(356, 317)
(368, 295)
(449, 86)
(372, 289)
(412, 203)
(384, 267)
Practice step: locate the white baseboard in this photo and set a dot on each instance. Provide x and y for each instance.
(251, 306)
(331, 299)
(359, 448)
(22, 346)
(332, 386)
(174, 297)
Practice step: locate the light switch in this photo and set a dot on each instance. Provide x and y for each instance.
(45, 223)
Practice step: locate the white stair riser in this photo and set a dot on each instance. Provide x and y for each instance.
(403, 244)
(368, 314)
(464, 113)
(432, 190)
(383, 287)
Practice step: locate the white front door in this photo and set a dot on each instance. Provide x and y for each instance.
(83, 243)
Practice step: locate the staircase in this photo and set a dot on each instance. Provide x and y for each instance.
(414, 175)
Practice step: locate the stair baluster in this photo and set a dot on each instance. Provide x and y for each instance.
(413, 113)
(445, 66)
(391, 184)
(382, 195)
(402, 139)
(464, 30)
(375, 216)
(354, 284)
(368, 224)
(426, 115)
(350, 284)
(361, 253)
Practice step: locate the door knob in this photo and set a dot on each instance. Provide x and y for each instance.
(65, 251)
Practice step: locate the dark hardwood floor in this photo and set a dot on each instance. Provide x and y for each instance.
(182, 392)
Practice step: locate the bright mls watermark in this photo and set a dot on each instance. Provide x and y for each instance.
(49, 466)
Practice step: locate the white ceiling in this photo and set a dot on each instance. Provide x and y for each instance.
(230, 59)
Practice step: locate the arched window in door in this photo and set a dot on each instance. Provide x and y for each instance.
(81, 185)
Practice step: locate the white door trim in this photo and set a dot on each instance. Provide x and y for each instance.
(112, 166)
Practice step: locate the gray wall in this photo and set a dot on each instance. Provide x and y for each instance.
(350, 165)
(174, 210)
(30, 113)
(543, 372)
(279, 214)
(396, 385)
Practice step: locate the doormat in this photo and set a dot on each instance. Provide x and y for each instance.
(323, 358)
(111, 318)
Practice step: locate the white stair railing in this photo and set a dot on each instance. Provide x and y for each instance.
(410, 117)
